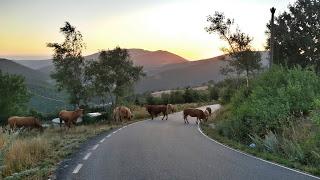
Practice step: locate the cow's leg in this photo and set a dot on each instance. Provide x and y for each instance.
(164, 114)
(60, 122)
(151, 116)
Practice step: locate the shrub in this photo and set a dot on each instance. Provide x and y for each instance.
(275, 97)
(213, 93)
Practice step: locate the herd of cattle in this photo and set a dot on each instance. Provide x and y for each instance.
(120, 114)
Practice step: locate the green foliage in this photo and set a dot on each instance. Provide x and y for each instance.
(273, 100)
(113, 74)
(69, 64)
(297, 35)
(213, 93)
(13, 95)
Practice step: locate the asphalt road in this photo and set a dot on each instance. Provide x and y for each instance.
(157, 149)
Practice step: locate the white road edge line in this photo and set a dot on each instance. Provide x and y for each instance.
(101, 141)
(95, 147)
(87, 156)
(108, 135)
(249, 155)
(77, 169)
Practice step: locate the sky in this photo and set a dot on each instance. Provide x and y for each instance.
(26, 26)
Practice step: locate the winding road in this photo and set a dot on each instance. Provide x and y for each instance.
(156, 149)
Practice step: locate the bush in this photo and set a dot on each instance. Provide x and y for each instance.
(272, 102)
(213, 93)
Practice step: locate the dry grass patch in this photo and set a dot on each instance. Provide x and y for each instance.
(23, 154)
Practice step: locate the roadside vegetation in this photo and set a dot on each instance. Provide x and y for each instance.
(34, 155)
(276, 116)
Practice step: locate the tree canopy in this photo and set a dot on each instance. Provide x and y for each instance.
(14, 95)
(113, 74)
(69, 64)
(297, 35)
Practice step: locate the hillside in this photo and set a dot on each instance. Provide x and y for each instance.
(31, 76)
(149, 59)
(34, 64)
(191, 73)
(166, 70)
(44, 95)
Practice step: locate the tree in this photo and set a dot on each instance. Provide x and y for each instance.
(243, 57)
(69, 64)
(114, 74)
(297, 35)
(13, 95)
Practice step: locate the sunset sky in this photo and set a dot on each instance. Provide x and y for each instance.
(173, 25)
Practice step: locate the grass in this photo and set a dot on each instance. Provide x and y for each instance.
(34, 155)
(223, 114)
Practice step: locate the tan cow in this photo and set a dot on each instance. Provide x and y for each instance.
(199, 114)
(27, 122)
(171, 108)
(70, 117)
(120, 113)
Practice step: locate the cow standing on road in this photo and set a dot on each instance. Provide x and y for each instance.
(155, 110)
(199, 114)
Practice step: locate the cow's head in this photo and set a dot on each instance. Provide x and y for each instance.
(80, 112)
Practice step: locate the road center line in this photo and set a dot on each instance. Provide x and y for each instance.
(87, 156)
(95, 147)
(76, 170)
(101, 141)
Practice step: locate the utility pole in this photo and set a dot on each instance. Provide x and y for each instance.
(272, 10)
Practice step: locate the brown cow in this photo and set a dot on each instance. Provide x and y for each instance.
(155, 110)
(199, 114)
(70, 117)
(27, 122)
(122, 112)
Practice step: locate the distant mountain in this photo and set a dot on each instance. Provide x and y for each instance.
(148, 59)
(32, 76)
(44, 98)
(191, 73)
(34, 64)
(164, 70)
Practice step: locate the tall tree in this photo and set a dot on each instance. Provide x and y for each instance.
(243, 57)
(69, 64)
(13, 95)
(297, 35)
(113, 74)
